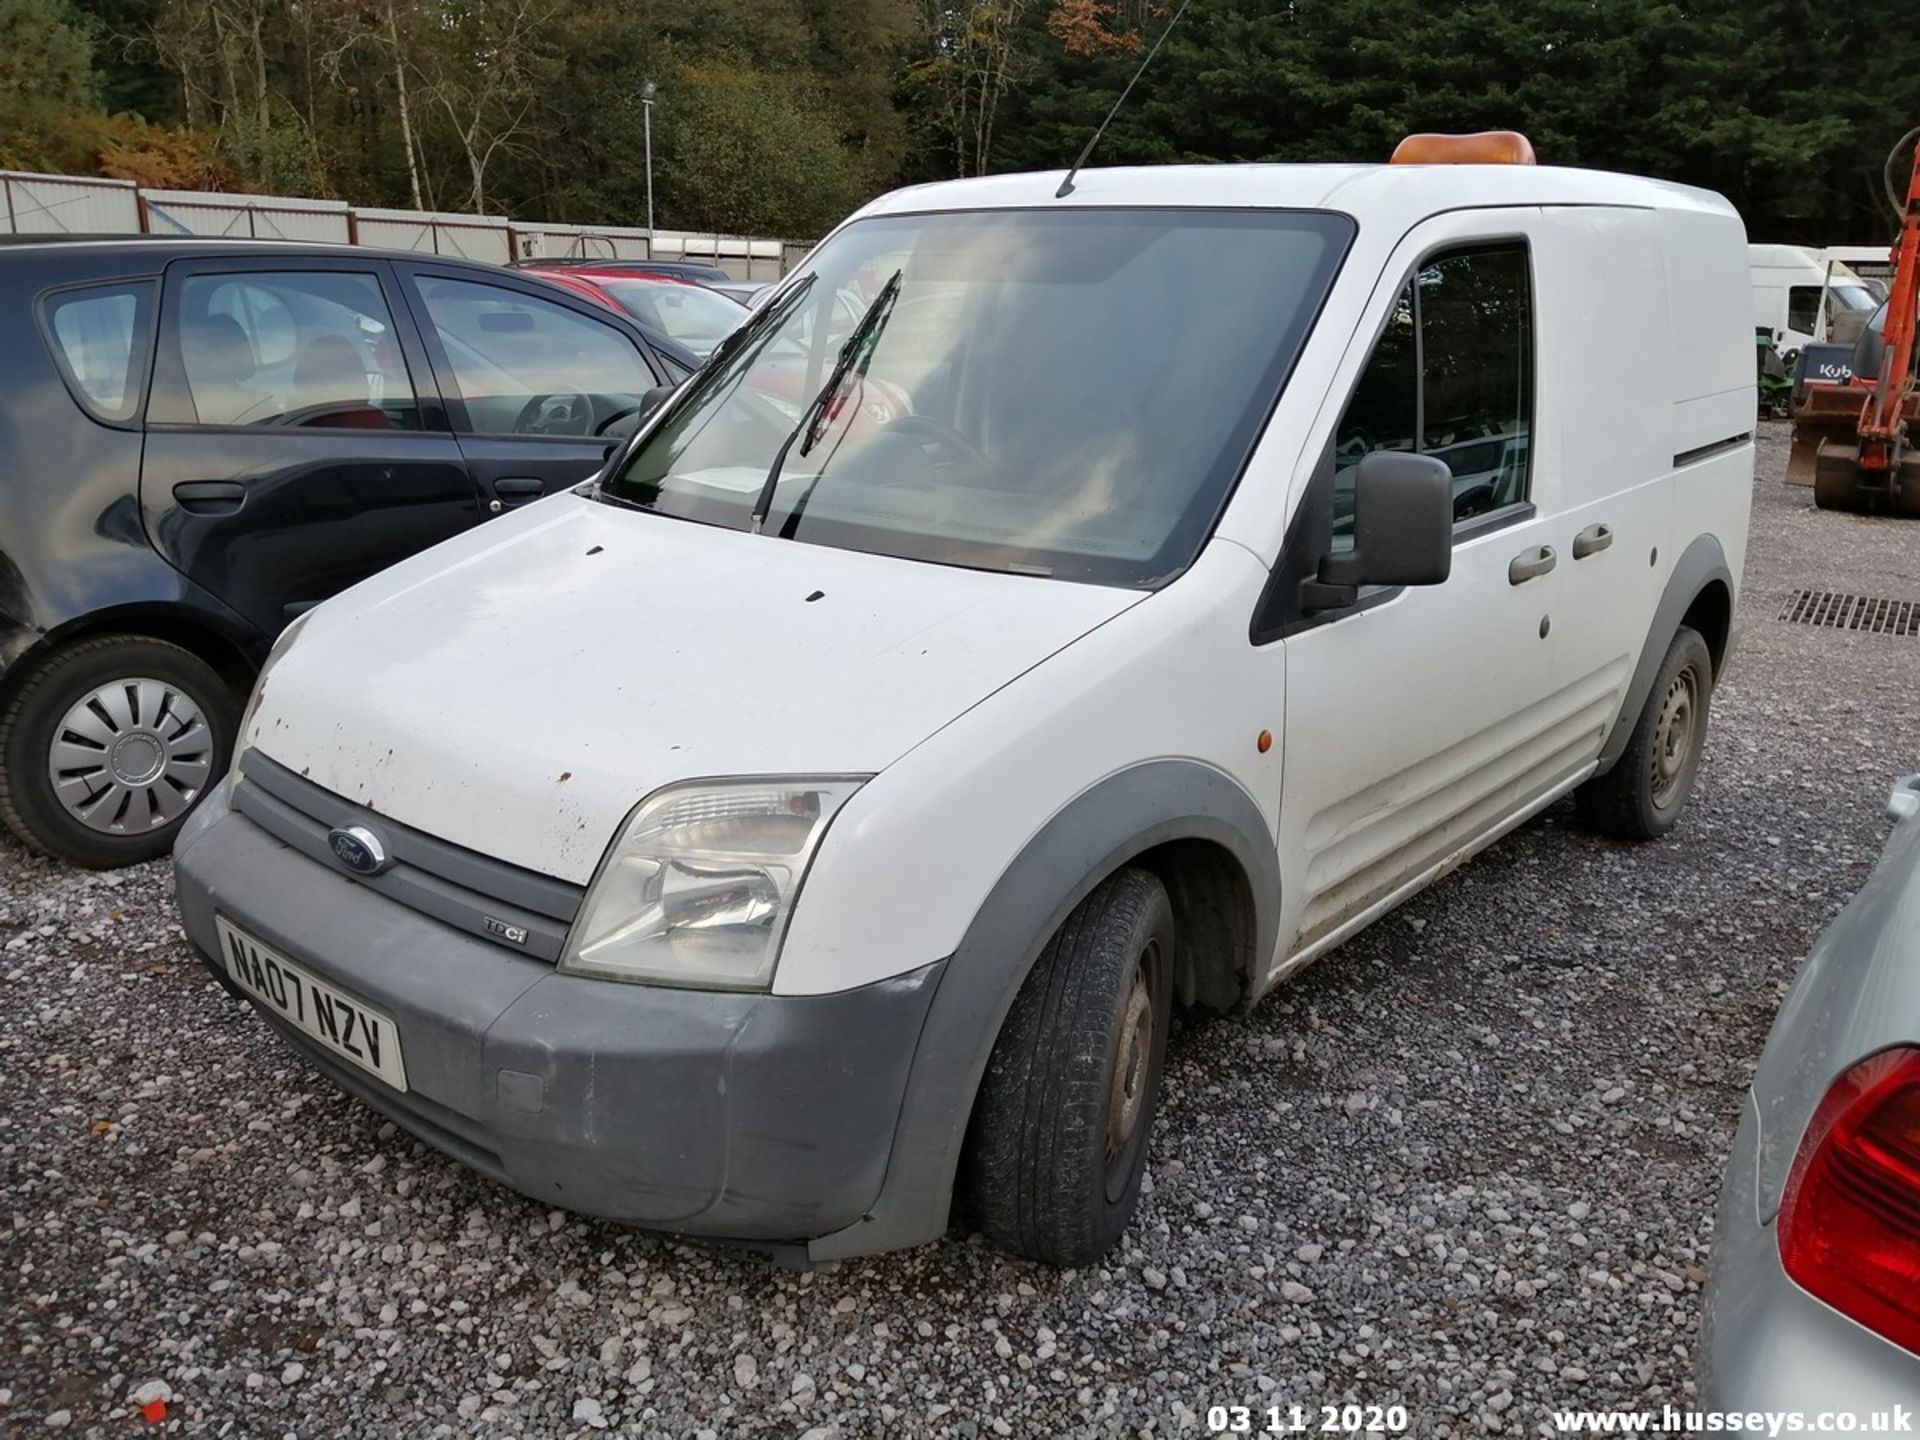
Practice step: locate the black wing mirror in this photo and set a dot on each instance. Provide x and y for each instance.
(1402, 530)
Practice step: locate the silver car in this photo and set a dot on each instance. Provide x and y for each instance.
(1814, 1300)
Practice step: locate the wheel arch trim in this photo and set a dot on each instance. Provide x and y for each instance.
(1701, 566)
(1115, 821)
(229, 649)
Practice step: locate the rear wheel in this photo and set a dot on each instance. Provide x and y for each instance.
(1059, 1135)
(1642, 796)
(108, 745)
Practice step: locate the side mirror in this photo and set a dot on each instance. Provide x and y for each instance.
(652, 400)
(1402, 530)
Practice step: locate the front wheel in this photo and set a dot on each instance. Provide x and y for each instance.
(1642, 796)
(1058, 1140)
(108, 745)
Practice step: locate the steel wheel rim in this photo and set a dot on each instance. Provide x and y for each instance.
(1673, 737)
(131, 756)
(1132, 1079)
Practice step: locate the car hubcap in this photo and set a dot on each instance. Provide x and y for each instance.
(131, 757)
(1673, 737)
(1132, 1070)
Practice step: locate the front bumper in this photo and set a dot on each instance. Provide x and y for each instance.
(757, 1118)
(1766, 1345)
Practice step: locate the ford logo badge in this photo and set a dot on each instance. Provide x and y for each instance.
(359, 849)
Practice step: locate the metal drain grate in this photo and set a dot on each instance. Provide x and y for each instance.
(1872, 614)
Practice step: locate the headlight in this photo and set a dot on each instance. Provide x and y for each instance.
(698, 886)
(260, 684)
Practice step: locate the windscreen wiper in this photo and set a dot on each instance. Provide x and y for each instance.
(760, 322)
(859, 346)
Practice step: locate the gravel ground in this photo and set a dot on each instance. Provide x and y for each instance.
(1468, 1163)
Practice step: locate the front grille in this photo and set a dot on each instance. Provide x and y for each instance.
(459, 887)
(1874, 615)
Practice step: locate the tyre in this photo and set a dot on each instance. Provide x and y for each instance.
(108, 745)
(1642, 796)
(1058, 1140)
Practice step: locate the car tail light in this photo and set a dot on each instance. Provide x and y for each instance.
(1850, 1218)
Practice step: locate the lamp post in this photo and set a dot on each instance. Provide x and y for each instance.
(647, 92)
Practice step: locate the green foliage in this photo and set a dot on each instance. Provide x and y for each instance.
(749, 155)
(46, 52)
(778, 115)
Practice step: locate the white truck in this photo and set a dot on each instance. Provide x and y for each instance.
(1803, 296)
(812, 821)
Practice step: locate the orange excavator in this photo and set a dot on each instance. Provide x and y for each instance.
(1859, 442)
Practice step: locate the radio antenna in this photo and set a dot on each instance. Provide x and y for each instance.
(1066, 185)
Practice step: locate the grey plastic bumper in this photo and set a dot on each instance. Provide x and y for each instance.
(757, 1118)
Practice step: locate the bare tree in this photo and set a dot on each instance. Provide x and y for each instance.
(975, 59)
(482, 79)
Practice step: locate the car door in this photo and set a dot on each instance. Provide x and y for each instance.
(1421, 720)
(1603, 280)
(540, 386)
(295, 441)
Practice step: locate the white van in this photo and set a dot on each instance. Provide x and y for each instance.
(814, 821)
(1801, 296)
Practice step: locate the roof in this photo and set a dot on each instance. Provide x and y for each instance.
(164, 249)
(1406, 193)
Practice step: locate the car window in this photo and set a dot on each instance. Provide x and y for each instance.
(313, 350)
(1451, 376)
(526, 366)
(1803, 307)
(697, 317)
(100, 340)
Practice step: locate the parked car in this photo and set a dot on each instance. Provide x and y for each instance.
(675, 269)
(1813, 1302)
(200, 440)
(748, 292)
(685, 312)
(818, 819)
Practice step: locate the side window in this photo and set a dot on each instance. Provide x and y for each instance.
(100, 344)
(308, 351)
(1803, 308)
(1451, 377)
(526, 366)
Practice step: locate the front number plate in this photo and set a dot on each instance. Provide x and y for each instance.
(355, 1032)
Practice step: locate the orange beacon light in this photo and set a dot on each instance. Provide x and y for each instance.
(1489, 147)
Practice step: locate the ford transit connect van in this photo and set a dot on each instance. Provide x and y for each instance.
(805, 830)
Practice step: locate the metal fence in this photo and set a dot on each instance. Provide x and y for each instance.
(78, 205)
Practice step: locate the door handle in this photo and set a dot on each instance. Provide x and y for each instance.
(1592, 540)
(1529, 563)
(519, 489)
(210, 497)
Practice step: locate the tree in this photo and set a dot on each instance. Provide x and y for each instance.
(973, 53)
(46, 52)
(745, 152)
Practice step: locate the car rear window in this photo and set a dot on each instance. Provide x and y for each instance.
(101, 340)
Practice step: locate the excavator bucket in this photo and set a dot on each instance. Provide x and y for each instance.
(1824, 416)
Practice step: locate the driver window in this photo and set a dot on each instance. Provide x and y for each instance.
(1451, 377)
(311, 351)
(526, 366)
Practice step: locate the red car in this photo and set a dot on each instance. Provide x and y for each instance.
(681, 309)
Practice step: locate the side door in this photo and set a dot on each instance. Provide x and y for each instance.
(540, 387)
(295, 442)
(1421, 720)
(1604, 283)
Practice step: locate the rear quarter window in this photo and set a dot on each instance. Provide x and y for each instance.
(100, 337)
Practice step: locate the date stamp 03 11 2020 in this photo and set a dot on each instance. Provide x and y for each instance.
(1307, 1419)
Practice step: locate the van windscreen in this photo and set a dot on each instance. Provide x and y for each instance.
(1066, 392)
